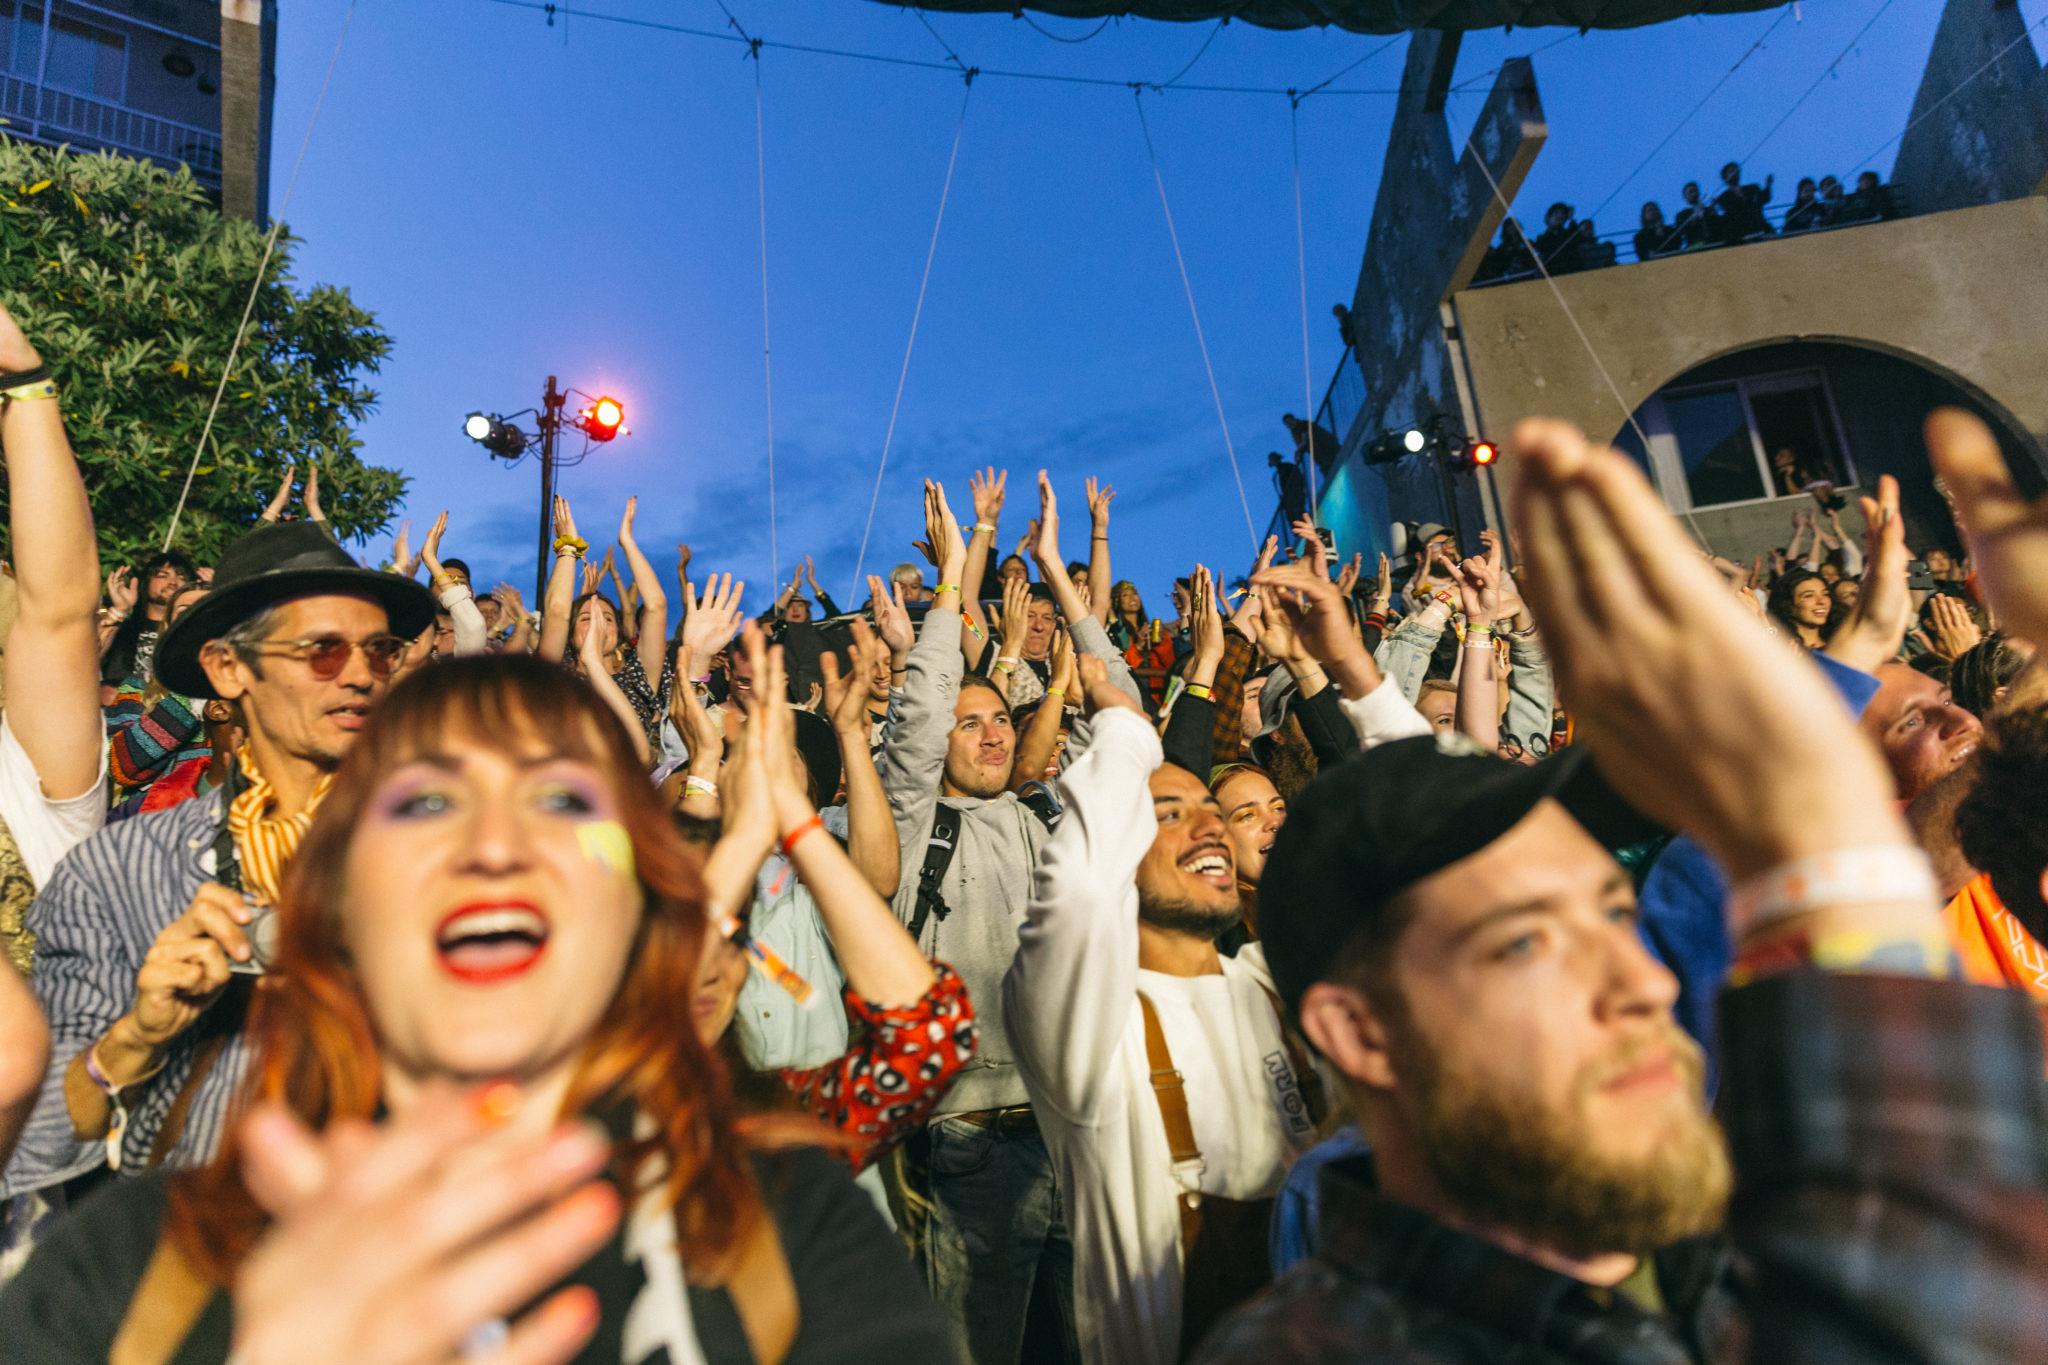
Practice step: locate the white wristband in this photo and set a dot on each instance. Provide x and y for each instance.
(1847, 876)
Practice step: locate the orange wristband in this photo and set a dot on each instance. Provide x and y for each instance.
(789, 843)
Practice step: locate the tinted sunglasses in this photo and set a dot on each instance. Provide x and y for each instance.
(327, 655)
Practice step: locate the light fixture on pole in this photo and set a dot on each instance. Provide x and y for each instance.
(601, 421)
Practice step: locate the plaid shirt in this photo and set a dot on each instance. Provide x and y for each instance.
(1892, 1205)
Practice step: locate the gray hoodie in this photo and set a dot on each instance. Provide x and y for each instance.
(988, 882)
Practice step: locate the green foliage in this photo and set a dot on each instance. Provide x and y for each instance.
(131, 285)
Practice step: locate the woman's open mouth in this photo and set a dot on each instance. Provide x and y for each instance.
(482, 944)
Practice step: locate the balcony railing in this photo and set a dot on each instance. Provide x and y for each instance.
(54, 116)
(1618, 248)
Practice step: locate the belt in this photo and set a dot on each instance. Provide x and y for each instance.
(1017, 1119)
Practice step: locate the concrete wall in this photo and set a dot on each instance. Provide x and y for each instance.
(1434, 216)
(1978, 132)
(1963, 293)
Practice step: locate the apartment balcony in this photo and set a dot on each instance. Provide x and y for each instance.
(51, 116)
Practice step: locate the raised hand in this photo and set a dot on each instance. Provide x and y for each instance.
(1306, 535)
(702, 735)
(430, 548)
(746, 788)
(510, 604)
(1060, 666)
(1383, 586)
(123, 589)
(948, 552)
(1016, 615)
(494, 1215)
(565, 520)
(1276, 629)
(1205, 624)
(1876, 625)
(402, 560)
(892, 618)
(1508, 603)
(311, 496)
(1266, 553)
(713, 620)
(1098, 693)
(2005, 533)
(283, 497)
(846, 695)
(1948, 620)
(1045, 548)
(1478, 591)
(1347, 577)
(1315, 612)
(988, 489)
(1099, 498)
(1694, 713)
(626, 520)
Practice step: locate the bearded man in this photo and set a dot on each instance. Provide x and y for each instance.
(1545, 1184)
(1168, 1093)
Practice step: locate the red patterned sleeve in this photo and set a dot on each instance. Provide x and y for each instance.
(904, 1059)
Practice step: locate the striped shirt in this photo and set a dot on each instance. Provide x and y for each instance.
(95, 921)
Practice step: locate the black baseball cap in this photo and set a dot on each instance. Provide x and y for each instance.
(1371, 827)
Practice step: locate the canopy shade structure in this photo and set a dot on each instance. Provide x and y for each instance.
(1374, 16)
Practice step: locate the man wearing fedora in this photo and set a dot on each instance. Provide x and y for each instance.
(150, 932)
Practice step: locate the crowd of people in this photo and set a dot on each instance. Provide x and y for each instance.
(1584, 949)
(1738, 212)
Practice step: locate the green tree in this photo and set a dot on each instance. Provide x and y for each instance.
(132, 285)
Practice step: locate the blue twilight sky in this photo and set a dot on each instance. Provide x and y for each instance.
(513, 199)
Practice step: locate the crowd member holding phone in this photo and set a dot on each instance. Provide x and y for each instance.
(141, 925)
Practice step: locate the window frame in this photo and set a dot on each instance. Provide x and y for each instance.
(1667, 462)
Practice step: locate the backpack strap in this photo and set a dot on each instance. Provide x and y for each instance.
(1172, 1095)
(938, 856)
(167, 1302)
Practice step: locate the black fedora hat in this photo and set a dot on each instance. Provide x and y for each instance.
(276, 561)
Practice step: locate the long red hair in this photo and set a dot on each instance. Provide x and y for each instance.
(313, 1043)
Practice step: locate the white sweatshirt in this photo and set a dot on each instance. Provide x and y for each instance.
(1070, 1006)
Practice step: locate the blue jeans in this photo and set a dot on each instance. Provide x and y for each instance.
(994, 1231)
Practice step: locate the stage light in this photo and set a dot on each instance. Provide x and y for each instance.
(495, 434)
(1414, 440)
(602, 419)
(1480, 454)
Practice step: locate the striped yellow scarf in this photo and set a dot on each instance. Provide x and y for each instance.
(264, 843)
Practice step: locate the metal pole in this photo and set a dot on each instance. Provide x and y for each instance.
(550, 419)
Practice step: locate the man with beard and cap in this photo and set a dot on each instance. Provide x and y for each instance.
(1545, 1182)
(151, 931)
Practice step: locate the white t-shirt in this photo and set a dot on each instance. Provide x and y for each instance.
(44, 830)
(1070, 1002)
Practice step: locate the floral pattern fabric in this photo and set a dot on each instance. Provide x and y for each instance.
(887, 1084)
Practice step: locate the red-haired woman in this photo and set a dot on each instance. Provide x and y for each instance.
(483, 1127)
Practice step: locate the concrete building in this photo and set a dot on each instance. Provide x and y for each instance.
(1707, 364)
(174, 81)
